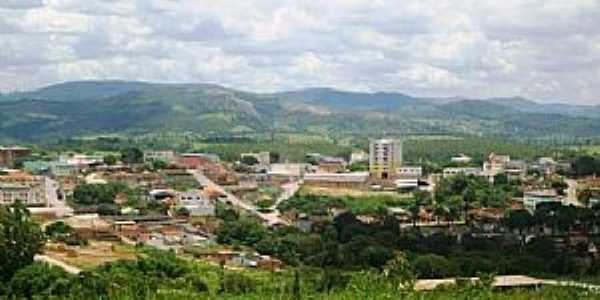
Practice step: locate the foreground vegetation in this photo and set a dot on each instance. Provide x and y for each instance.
(344, 263)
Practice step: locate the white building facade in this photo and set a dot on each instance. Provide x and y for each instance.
(385, 157)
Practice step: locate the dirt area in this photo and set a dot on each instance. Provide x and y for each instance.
(340, 192)
(95, 254)
(44, 218)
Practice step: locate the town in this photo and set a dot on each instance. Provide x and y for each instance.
(96, 208)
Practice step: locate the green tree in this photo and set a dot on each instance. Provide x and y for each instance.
(244, 231)
(39, 280)
(585, 165)
(110, 159)
(420, 199)
(559, 185)
(440, 211)
(455, 206)
(520, 220)
(274, 157)
(400, 273)
(249, 160)
(95, 194)
(58, 228)
(584, 196)
(433, 266)
(132, 155)
(20, 239)
(159, 164)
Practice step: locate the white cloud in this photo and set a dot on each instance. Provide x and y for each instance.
(20, 4)
(544, 49)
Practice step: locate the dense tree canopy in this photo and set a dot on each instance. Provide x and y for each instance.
(20, 239)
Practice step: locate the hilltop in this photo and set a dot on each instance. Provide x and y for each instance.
(123, 107)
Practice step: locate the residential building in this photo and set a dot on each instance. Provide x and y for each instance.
(385, 156)
(288, 170)
(515, 169)
(53, 168)
(338, 180)
(196, 203)
(410, 172)
(164, 156)
(9, 155)
(61, 169)
(447, 172)
(461, 159)
(37, 166)
(31, 190)
(531, 199)
(91, 226)
(82, 160)
(359, 156)
(195, 160)
(496, 164)
(328, 164)
(547, 165)
(407, 183)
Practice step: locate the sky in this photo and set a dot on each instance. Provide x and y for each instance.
(547, 50)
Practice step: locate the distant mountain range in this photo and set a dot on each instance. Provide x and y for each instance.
(123, 107)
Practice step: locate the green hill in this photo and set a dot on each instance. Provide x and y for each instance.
(121, 107)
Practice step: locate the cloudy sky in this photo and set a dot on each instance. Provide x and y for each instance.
(548, 50)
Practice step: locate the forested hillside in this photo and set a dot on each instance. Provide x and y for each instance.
(119, 107)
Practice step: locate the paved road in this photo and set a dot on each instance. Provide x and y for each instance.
(289, 190)
(268, 218)
(57, 263)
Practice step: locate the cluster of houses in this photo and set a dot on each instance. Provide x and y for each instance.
(42, 184)
(384, 169)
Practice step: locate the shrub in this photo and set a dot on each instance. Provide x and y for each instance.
(433, 266)
(39, 280)
(237, 283)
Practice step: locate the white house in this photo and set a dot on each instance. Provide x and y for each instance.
(410, 172)
(164, 156)
(448, 172)
(461, 159)
(532, 198)
(195, 203)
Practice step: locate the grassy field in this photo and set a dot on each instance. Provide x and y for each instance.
(314, 200)
(345, 192)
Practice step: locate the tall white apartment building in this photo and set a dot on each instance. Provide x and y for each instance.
(385, 157)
